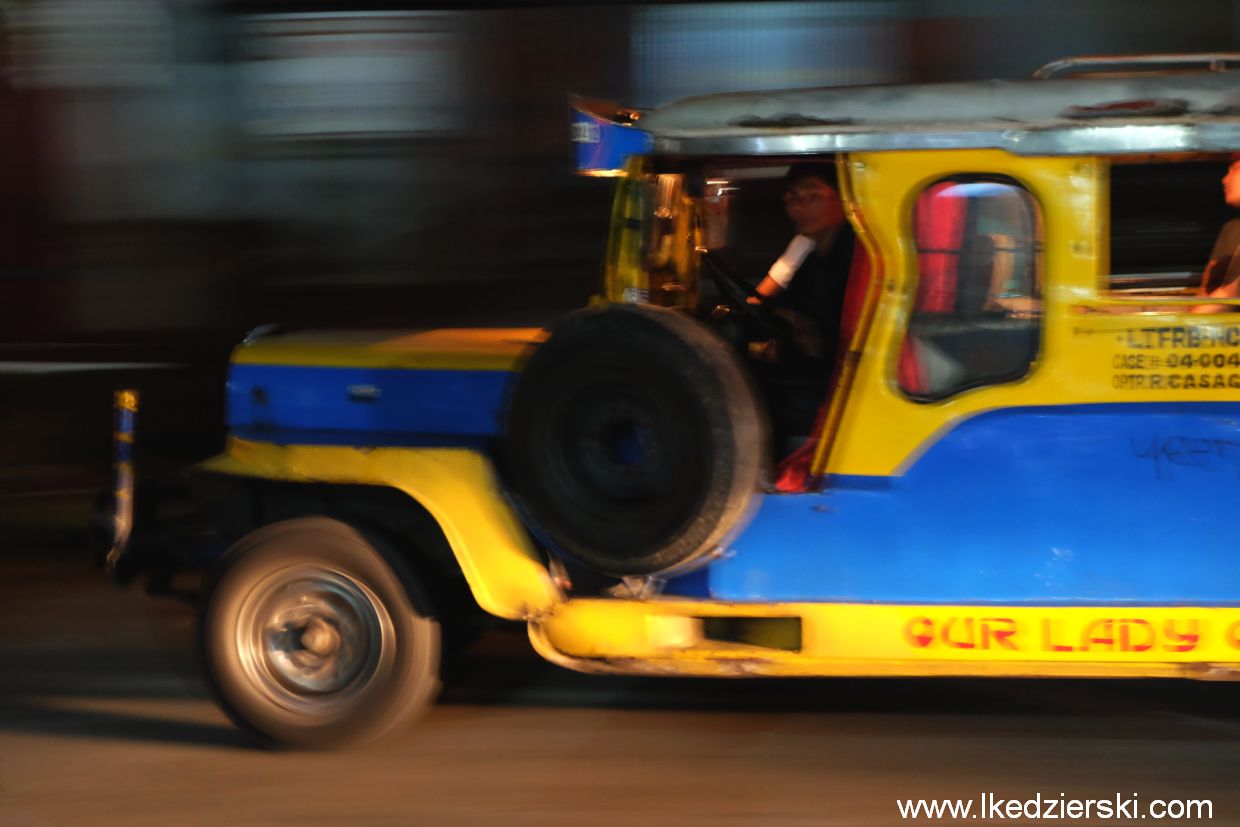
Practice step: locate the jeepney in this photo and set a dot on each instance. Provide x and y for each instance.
(1022, 467)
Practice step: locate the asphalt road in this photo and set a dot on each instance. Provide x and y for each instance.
(104, 719)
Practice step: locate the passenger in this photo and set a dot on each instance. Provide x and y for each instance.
(1221, 278)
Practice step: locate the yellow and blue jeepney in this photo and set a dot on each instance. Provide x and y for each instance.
(1023, 467)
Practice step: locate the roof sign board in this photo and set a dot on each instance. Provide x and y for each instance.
(605, 137)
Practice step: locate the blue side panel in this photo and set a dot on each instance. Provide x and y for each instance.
(364, 406)
(1071, 505)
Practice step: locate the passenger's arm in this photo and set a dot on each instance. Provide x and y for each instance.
(1228, 290)
(1225, 248)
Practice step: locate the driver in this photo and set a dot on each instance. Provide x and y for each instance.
(811, 277)
(822, 280)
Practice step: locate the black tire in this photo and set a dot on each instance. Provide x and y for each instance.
(633, 439)
(312, 638)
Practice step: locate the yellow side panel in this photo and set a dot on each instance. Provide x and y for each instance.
(882, 431)
(457, 486)
(447, 349)
(853, 639)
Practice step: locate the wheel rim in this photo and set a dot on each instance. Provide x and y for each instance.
(312, 639)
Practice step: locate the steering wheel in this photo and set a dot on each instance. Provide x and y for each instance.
(737, 291)
(788, 329)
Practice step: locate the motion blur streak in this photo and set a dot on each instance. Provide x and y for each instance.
(176, 172)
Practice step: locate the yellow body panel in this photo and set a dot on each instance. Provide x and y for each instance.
(447, 349)
(457, 486)
(1095, 348)
(882, 430)
(842, 392)
(667, 637)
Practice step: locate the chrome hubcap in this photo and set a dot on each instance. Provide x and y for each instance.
(311, 638)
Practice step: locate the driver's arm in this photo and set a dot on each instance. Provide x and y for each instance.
(766, 288)
(785, 267)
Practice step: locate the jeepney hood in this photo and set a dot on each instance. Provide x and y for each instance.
(448, 348)
(374, 388)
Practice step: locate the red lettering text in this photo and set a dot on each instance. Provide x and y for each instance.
(919, 632)
(967, 642)
(1181, 640)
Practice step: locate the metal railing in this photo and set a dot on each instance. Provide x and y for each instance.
(1138, 64)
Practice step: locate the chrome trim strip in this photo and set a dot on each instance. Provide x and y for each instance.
(1094, 139)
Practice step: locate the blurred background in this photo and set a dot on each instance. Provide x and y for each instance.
(176, 172)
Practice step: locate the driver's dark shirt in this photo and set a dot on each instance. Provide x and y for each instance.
(817, 291)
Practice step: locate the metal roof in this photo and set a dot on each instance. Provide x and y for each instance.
(1178, 112)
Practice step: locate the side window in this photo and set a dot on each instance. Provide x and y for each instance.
(977, 315)
(1165, 217)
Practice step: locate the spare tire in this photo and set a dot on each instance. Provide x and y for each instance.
(633, 439)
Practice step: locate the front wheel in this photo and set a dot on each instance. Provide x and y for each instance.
(312, 638)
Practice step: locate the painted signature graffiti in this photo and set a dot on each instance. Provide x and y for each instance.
(1167, 453)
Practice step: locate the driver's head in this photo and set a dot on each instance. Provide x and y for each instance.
(812, 199)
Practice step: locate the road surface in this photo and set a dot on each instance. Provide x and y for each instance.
(104, 719)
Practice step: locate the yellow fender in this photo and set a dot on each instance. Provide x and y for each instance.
(457, 486)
